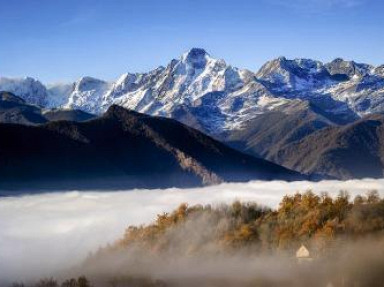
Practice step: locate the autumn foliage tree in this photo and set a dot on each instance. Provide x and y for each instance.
(317, 220)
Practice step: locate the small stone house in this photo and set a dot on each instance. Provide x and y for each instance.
(303, 255)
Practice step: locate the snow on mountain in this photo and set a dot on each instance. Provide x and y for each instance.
(88, 94)
(348, 68)
(284, 75)
(31, 90)
(340, 87)
(206, 87)
(214, 97)
(379, 70)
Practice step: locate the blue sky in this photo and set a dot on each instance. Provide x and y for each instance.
(61, 40)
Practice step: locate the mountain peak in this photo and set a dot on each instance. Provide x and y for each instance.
(338, 60)
(348, 68)
(88, 83)
(85, 79)
(196, 57)
(196, 52)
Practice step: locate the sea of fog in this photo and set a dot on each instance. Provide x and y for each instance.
(44, 233)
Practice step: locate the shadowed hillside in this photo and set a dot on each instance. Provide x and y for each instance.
(350, 151)
(122, 149)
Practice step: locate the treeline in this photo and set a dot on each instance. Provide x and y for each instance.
(316, 220)
(81, 281)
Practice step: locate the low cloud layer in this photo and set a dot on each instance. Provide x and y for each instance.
(40, 234)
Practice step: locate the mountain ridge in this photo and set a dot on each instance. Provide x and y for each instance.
(259, 113)
(15, 110)
(349, 151)
(122, 149)
(188, 79)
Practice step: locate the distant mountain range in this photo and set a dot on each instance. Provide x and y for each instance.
(122, 149)
(269, 114)
(15, 110)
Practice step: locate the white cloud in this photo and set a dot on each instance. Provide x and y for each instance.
(79, 18)
(42, 233)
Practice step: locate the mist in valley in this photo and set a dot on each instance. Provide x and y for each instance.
(53, 234)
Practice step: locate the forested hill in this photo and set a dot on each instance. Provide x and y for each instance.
(244, 244)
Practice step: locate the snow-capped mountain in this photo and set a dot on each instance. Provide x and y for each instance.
(343, 88)
(213, 96)
(196, 86)
(88, 94)
(31, 90)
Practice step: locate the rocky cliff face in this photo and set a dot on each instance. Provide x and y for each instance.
(215, 97)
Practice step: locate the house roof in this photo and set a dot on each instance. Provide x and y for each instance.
(302, 252)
